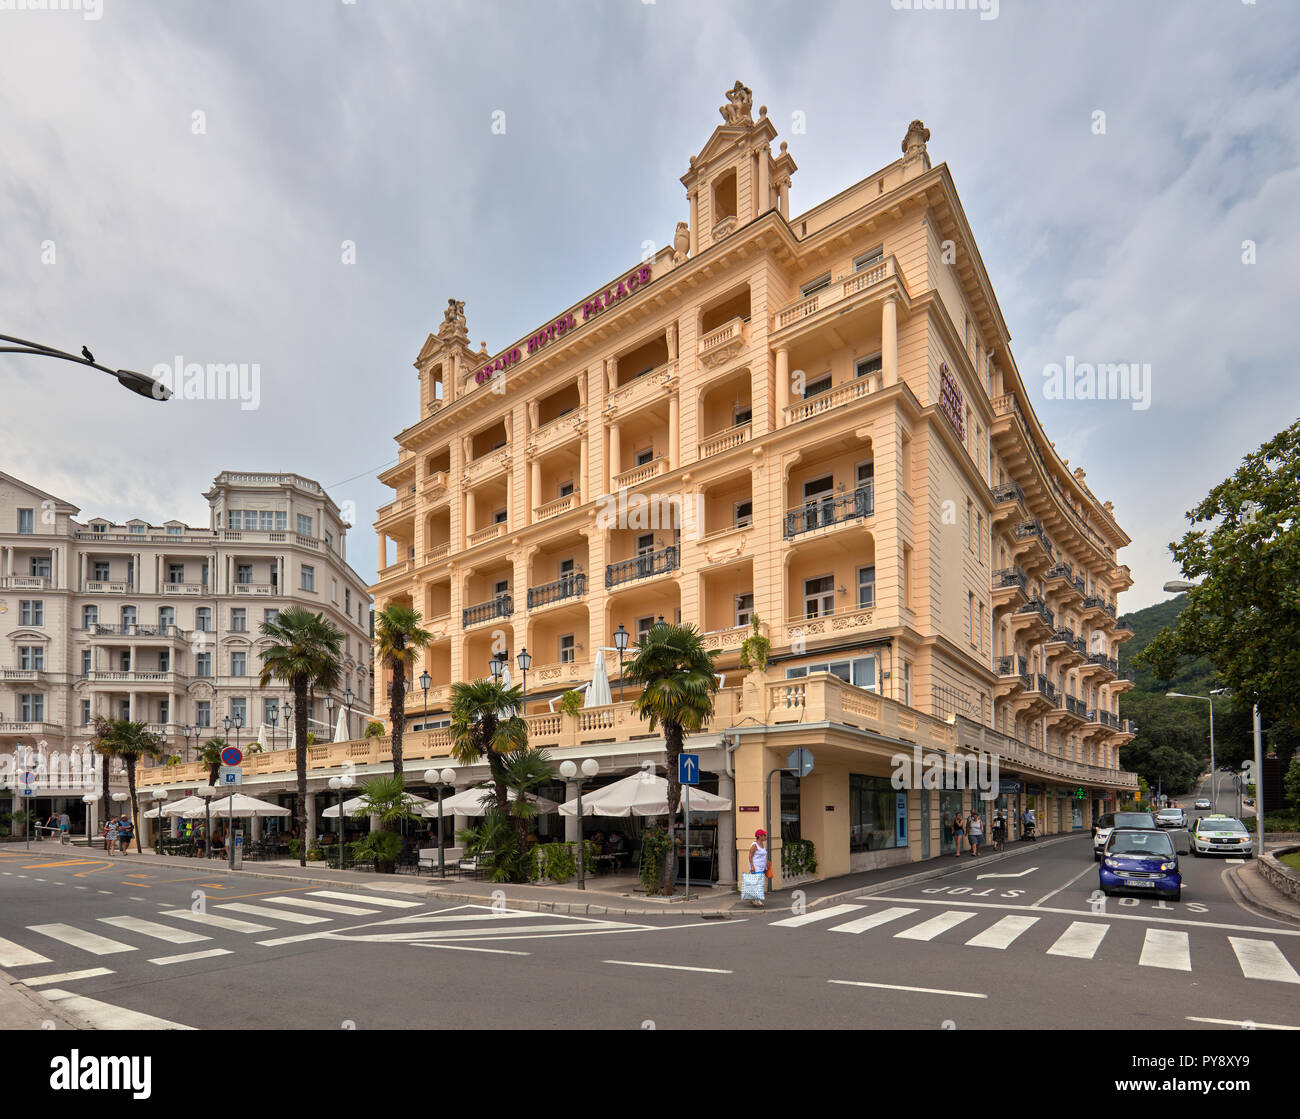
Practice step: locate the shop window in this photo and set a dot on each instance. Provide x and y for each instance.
(873, 813)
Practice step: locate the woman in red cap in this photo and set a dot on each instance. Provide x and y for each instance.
(758, 858)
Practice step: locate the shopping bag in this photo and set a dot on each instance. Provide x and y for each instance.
(751, 887)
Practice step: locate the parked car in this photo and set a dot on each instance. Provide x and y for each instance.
(1220, 834)
(1111, 820)
(1142, 860)
(1171, 818)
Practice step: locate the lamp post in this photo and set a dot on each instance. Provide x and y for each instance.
(120, 797)
(1214, 799)
(138, 383)
(190, 732)
(425, 681)
(342, 784)
(88, 800)
(348, 697)
(159, 795)
(620, 643)
(524, 659)
(439, 778)
(590, 767)
(496, 666)
(329, 713)
(273, 715)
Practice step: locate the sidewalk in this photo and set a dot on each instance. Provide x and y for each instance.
(21, 1008)
(603, 897)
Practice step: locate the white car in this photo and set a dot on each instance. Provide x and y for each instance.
(1221, 835)
(1203, 803)
(1171, 818)
(1110, 821)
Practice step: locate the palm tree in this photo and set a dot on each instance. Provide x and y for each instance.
(398, 641)
(132, 742)
(676, 673)
(210, 755)
(384, 797)
(485, 723)
(97, 743)
(524, 770)
(305, 654)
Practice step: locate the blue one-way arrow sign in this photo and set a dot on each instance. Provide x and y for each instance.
(688, 769)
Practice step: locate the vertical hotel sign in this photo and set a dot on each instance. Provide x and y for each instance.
(951, 400)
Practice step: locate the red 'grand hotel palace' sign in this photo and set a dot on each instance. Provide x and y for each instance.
(951, 399)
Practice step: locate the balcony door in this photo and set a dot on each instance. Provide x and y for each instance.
(819, 597)
(645, 546)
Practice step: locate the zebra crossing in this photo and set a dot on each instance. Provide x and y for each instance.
(1164, 948)
(192, 932)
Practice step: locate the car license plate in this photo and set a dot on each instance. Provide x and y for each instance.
(1140, 882)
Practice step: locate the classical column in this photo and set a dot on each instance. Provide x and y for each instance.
(311, 821)
(535, 497)
(726, 830)
(782, 385)
(764, 183)
(615, 454)
(695, 222)
(784, 202)
(672, 341)
(611, 374)
(889, 340)
(382, 561)
(674, 430)
(469, 517)
(583, 495)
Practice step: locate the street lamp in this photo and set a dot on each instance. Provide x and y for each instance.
(524, 659)
(590, 767)
(439, 778)
(138, 383)
(88, 800)
(425, 681)
(189, 733)
(273, 716)
(497, 667)
(1177, 586)
(1210, 698)
(286, 712)
(341, 784)
(620, 643)
(329, 711)
(348, 697)
(159, 795)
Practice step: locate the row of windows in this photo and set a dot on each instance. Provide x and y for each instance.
(31, 612)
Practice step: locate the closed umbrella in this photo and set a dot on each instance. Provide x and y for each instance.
(473, 802)
(640, 795)
(598, 695)
(341, 727)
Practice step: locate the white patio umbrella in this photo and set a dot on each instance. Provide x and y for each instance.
(358, 803)
(179, 807)
(473, 802)
(638, 795)
(237, 804)
(341, 727)
(598, 695)
(264, 736)
(506, 681)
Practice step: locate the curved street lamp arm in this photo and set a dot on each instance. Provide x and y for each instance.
(138, 383)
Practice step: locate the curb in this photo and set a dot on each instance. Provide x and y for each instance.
(42, 1007)
(1244, 896)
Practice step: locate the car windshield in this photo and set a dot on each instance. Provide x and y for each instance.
(1133, 820)
(1208, 824)
(1155, 844)
(1171, 812)
(1107, 821)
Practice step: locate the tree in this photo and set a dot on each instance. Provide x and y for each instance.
(398, 641)
(1244, 615)
(305, 654)
(131, 742)
(384, 797)
(210, 755)
(675, 672)
(485, 723)
(97, 744)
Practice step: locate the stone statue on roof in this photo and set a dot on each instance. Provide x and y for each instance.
(740, 100)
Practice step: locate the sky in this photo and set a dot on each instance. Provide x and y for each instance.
(300, 187)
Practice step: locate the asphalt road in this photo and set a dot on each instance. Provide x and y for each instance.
(1018, 943)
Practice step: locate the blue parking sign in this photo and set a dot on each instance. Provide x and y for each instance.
(688, 769)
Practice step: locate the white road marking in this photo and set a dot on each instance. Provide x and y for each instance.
(465, 948)
(1071, 882)
(80, 938)
(1168, 949)
(916, 990)
(324, 906)
(188, 956)
(155, 930)
(815, 915)
(1003, 933)
(1262, 959)
(670, 967)
(1239, 1025)
(15, 955)
(928, 930)
(66, 976)
(1031, 870)
(105, 891)
(105, 1017)
(497, 916)
(276, 914)
(216, 921)
(862, 924)
(369, 899)
(1080, 941)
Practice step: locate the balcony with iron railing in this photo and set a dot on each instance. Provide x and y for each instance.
(1009, 578)
(830, 511)
(1039, 607)
(570, 586)
(502, 606)
(642, 567)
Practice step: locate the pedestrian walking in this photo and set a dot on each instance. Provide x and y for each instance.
(126, 830)
(958, 830)
(755, 885)
(110, 835)
(976, 826)
(65, 825)
(999, 831)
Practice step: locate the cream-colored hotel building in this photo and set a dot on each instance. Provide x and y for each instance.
(830, 399)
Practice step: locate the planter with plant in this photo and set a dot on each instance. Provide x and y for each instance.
(798, 858)
(654, 849)
(754, 650)
(375, 730)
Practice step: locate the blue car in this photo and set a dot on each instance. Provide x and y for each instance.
(1140, 860)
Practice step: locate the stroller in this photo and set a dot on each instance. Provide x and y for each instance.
(1029, 831)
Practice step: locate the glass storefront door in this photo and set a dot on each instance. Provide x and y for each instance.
(925, 823)
(949, 806)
